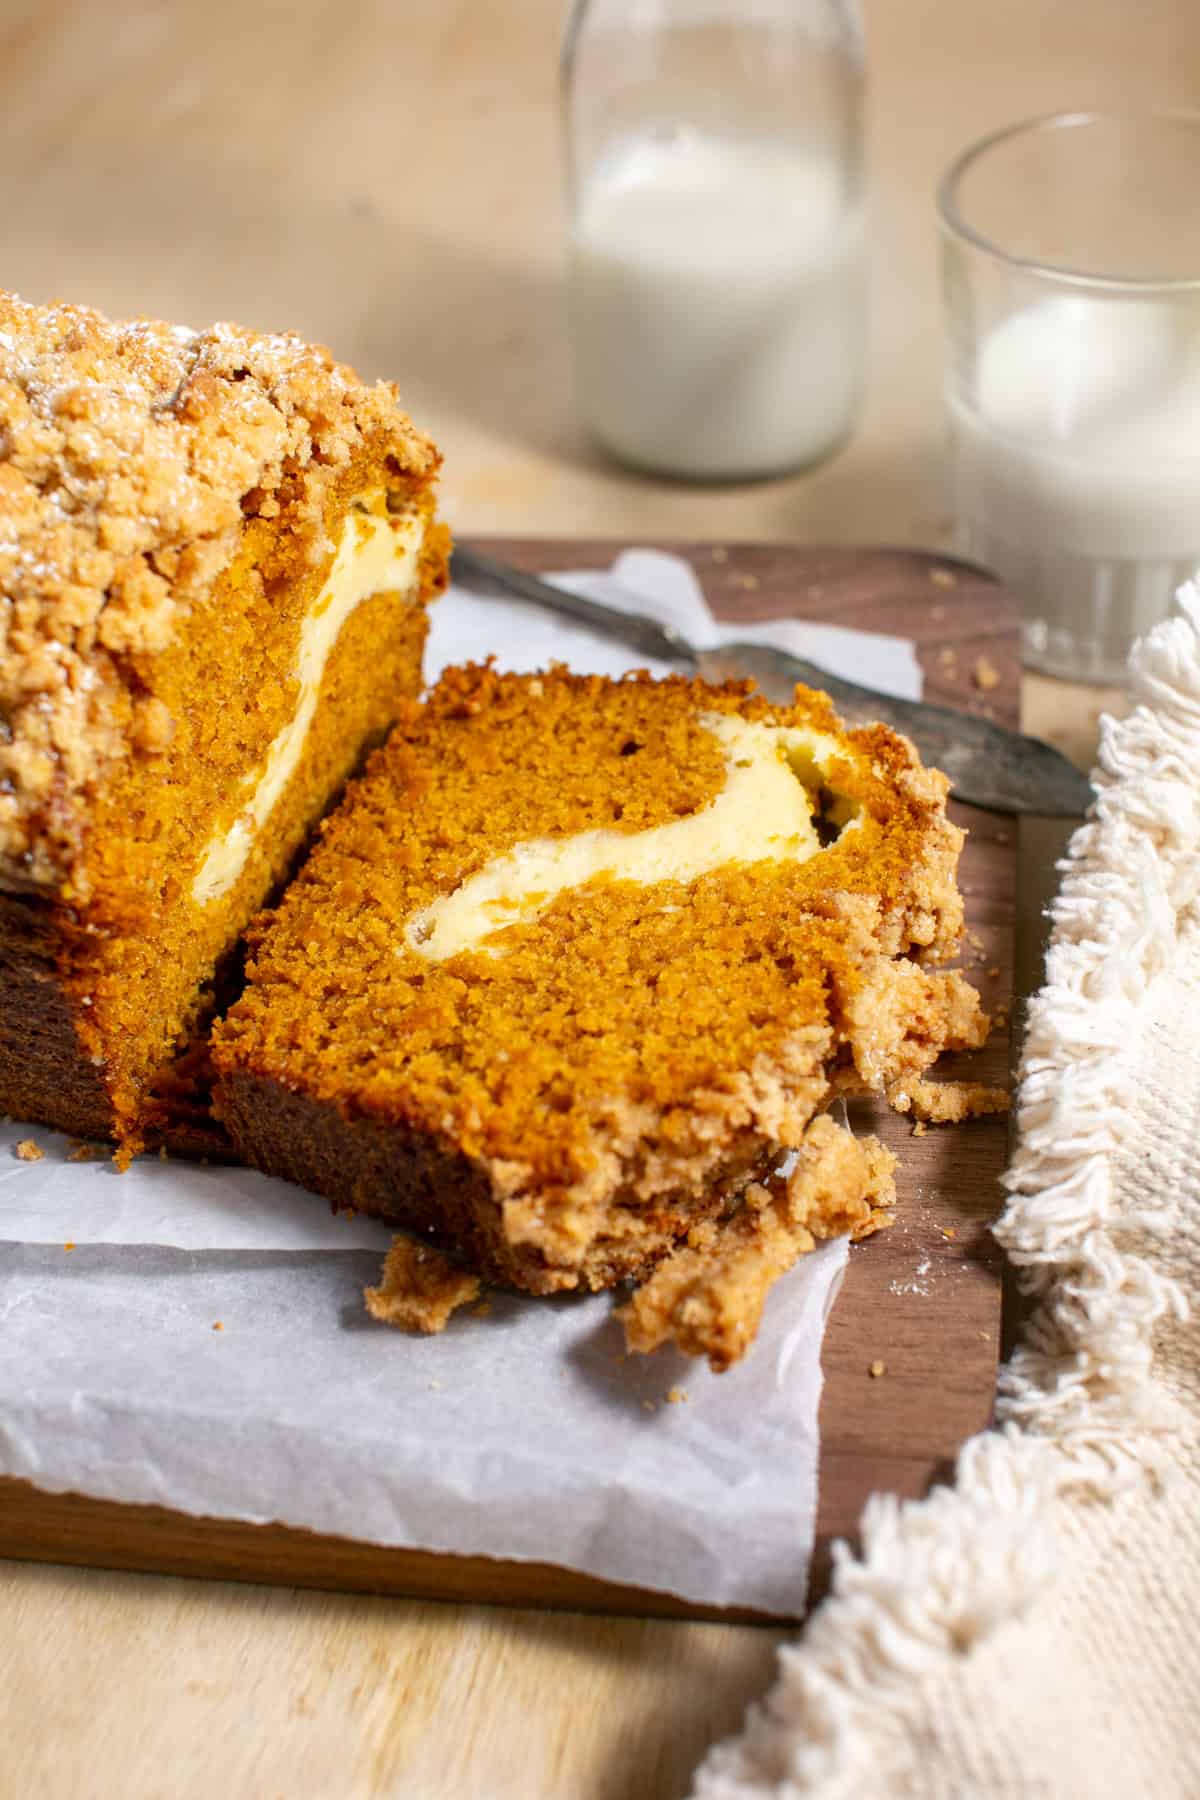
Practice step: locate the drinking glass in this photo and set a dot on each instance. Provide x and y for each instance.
(1071, 265)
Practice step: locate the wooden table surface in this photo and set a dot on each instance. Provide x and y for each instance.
(386, 177)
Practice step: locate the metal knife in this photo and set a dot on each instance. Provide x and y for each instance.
(988, 765)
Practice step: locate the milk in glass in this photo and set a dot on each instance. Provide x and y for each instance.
(1076, 469)
(717, 297)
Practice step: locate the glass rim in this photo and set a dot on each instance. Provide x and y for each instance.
(955, 224)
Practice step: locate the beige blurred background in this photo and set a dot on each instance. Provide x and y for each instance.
(385, 175)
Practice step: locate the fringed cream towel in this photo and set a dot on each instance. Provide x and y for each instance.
(1035, 1629)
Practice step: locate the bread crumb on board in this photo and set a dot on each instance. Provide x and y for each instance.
(985, 674)
(878, 1368)
(946, 1102)
(28, 1151)
(943, 578)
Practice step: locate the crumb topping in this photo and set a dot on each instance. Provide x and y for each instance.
(131, 456)
(707, 1297)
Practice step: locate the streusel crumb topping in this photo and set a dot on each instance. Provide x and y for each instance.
(130, 456)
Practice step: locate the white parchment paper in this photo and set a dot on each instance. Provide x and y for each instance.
(525, 1433)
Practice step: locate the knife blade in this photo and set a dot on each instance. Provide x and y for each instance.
(988, 765)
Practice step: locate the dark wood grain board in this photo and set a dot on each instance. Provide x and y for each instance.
(922, 1299)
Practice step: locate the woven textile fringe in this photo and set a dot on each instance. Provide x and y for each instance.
(1079, 1410)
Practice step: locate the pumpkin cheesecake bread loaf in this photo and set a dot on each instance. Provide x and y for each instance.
(574, 963)
(215, 553)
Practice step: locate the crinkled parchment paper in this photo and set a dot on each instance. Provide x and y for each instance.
(523, 1431)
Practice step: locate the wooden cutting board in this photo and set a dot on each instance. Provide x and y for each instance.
(911, 1349)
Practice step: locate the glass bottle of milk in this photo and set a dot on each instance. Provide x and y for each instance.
(716, 255)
